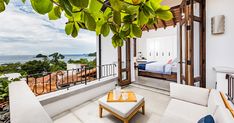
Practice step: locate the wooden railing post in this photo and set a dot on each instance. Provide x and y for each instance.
(85, 76)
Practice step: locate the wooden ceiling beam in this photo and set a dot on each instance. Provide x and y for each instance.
(143, 27)
(155, 26)
(173, 19)
(164, 24)
(176, 11)
(147, 28)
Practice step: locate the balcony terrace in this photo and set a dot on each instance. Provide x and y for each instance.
(87, 112)
(79, 103)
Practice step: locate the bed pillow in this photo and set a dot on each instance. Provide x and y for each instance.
(170, 61)
(207, 119)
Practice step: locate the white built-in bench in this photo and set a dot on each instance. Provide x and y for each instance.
(25, 107)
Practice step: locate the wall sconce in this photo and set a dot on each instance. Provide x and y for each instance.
(218, 24)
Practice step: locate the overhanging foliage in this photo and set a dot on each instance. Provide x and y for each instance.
(123, 17)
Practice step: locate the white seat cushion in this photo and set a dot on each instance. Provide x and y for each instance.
(214, 101)
(189, 93)
(174, 119)
(184, 112)
(124, 109)
(223, 115)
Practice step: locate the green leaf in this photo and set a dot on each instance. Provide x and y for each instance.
(94, 5)
(69, 28)
(114, 40)
(142, 19)
(42, 6)
(89, 22)
(136, 1)
(126, 27)
(151, 21)
(128, 18)
(105, 29)
(80, 3)
(136, 30)
(155, 4)
(7, 1)
(77, 26)
(113, 28)
(107, 13)
(99, 24)
(131, 9)
(74, 33)
(165, 8)
(23, 1)
(117, 17)
(55, 13)
(124, 34)
(114, 43)
(2, 6)
(164, 15)
(66, 6)
(117, 41)
(116, 4)
(148, 11)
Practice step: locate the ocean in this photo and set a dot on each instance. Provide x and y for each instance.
(24, 58)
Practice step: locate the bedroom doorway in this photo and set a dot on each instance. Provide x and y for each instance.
(157, 58)
(190, 24)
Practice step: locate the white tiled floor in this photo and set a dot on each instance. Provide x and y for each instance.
(156, 104)
(153, 82)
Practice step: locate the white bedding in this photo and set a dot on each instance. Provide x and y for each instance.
(174, 68)
(157, 67)
(161, 67)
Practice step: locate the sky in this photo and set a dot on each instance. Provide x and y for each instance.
(24, 32)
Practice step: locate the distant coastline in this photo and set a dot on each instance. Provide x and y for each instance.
(6, 59)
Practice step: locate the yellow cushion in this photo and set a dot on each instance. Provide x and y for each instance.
(227, 103)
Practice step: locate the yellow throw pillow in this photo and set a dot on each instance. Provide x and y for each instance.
(225, 101)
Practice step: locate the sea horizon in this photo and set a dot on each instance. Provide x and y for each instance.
(7, 59)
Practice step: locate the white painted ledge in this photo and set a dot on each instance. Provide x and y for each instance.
(57, 102)
(24, 106)
(221, 69)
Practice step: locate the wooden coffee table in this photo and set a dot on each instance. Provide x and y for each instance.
(122, 110)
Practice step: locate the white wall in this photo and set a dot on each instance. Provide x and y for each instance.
(219, 48)
(25, 108)
(141, 42)
(110, 54)
(158, 48)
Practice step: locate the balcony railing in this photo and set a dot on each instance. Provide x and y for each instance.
(230, 93)
(46, 82)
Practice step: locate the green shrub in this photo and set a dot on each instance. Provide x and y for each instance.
(4, 91)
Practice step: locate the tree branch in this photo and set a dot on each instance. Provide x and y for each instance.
(56, 3)
(105, 4)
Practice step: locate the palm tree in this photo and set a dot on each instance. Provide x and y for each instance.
(56, 57)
